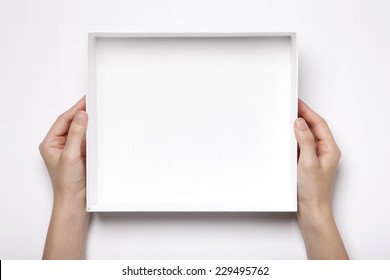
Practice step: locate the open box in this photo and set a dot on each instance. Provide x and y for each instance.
(191, 122)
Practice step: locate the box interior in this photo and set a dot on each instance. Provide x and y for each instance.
(191, 124)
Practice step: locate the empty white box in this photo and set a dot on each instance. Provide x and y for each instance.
(192, 122)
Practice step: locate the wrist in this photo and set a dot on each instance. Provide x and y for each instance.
(315, 214)
(68, 229)
(69, 205)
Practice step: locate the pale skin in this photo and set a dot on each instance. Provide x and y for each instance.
(317, 164)
(63, 151)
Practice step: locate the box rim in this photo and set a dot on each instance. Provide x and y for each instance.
(91, 203)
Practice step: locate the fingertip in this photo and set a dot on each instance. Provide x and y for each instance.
(303, 108)
(301, 124)
(82, 98)
(81, 104)
(81, 117)
(303, 133)
(76, 134)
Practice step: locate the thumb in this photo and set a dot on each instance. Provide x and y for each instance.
(305, 141)
(76, 134)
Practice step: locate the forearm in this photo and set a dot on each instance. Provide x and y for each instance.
(320, 234)
(66, 236)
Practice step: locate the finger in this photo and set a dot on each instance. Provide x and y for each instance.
(318, 124)
(305, 141)
(62, 124)
(84, 147)
(76, 134)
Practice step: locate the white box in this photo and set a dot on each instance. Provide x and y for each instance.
(192, 122)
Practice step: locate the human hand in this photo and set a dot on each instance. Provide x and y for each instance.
(63, 151)
(318, 159)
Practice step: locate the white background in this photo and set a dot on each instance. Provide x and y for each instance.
(344, 74)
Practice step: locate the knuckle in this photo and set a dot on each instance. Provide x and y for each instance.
(308, 137)
(308, 164)
(68, 157)
(42, 147)
(76, 129)
(321, 121)
(63, 118)
(337, 153)
(334, 151)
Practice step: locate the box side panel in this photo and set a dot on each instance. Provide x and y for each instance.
(294, 114)
(191, 34)
(91, 141)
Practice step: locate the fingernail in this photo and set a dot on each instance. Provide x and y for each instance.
(301, 124)
(81, 117)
